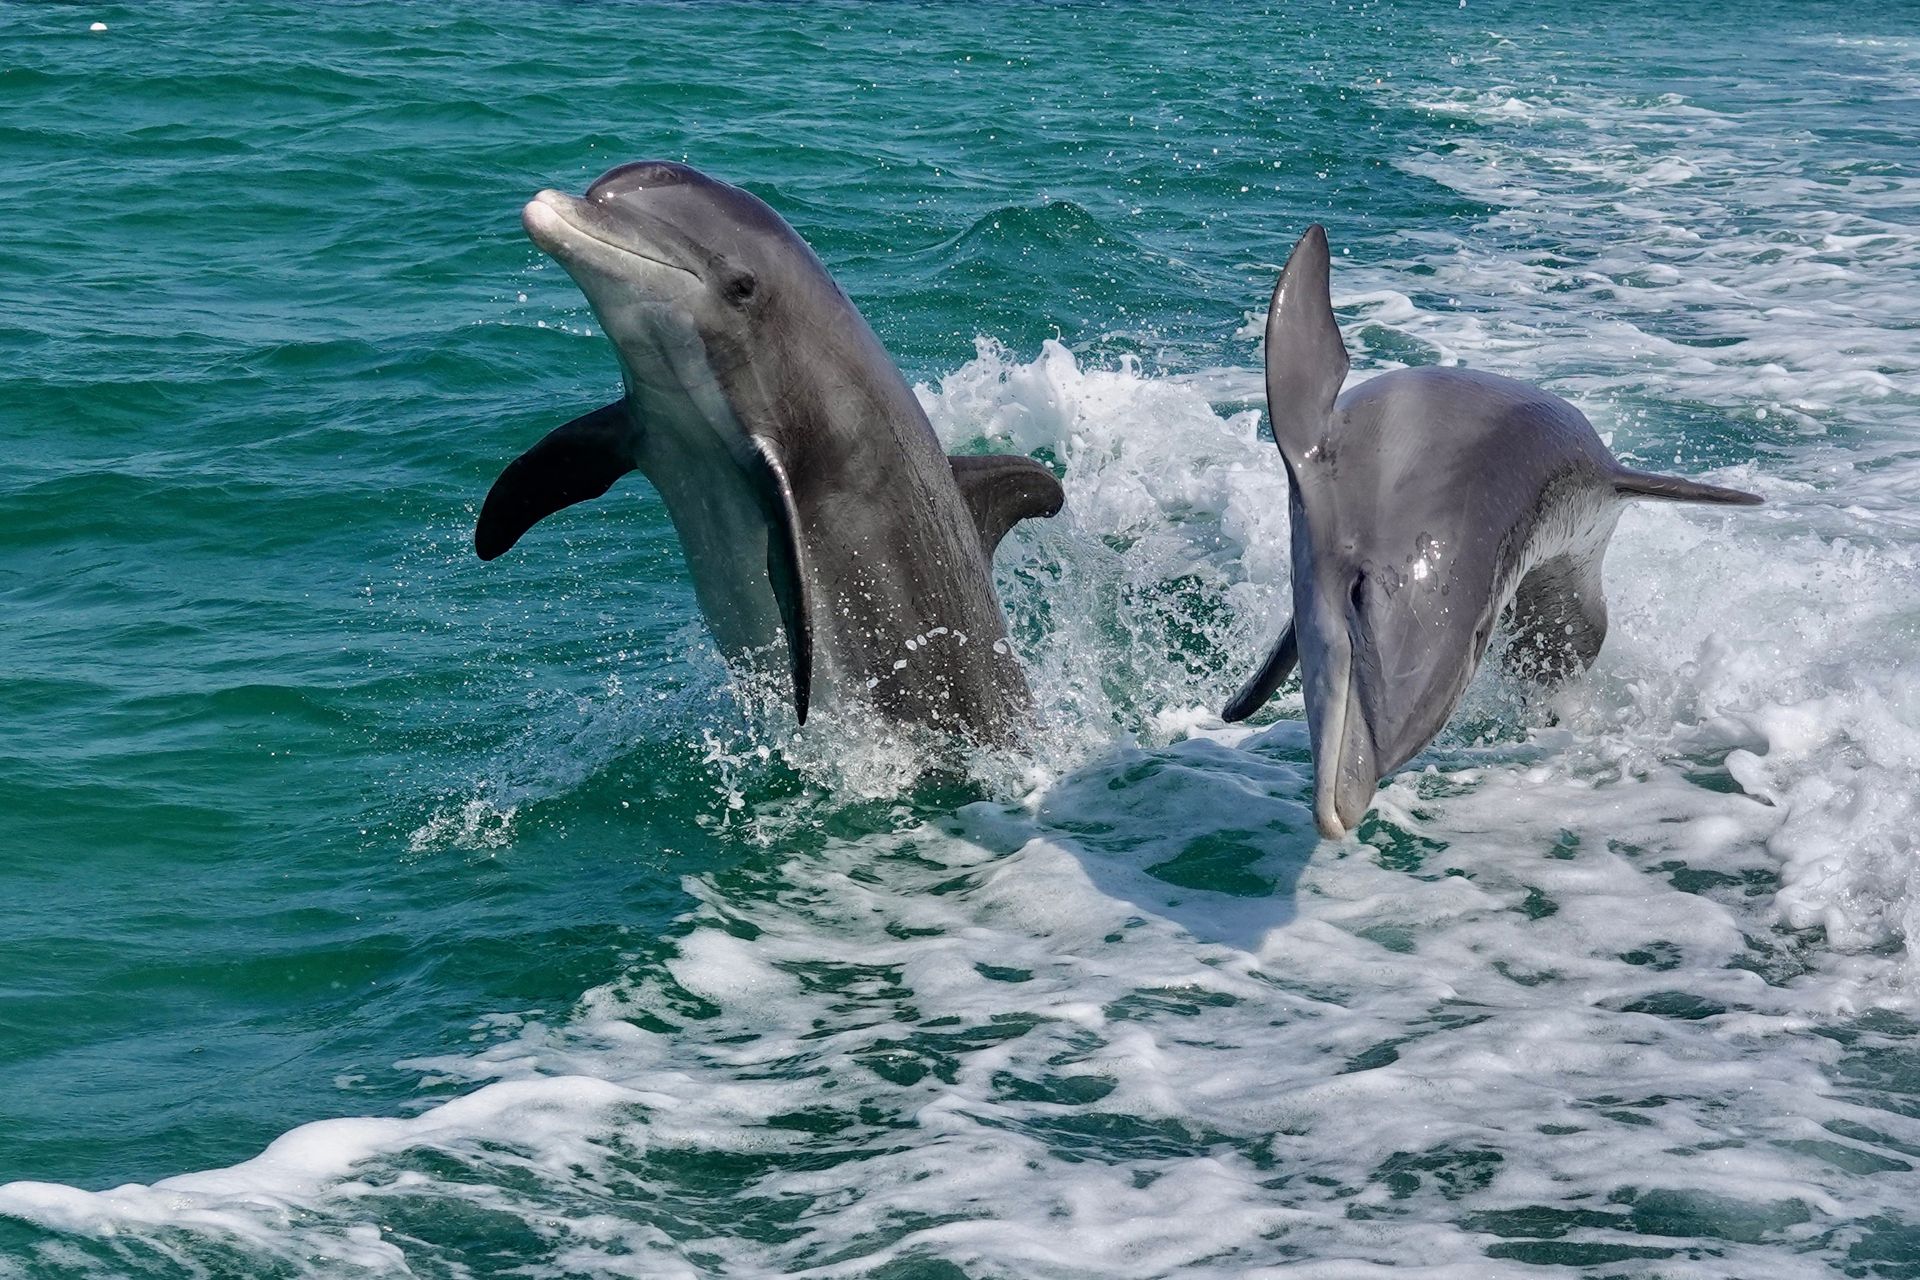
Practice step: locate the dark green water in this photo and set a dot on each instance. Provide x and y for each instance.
(306, 814)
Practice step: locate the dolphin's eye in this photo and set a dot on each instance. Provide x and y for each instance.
(740, 287)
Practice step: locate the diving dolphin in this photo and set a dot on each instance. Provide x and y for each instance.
(1424, 504)
(829, 536)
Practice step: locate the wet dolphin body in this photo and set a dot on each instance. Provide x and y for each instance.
(1425, 503)
(828, 535)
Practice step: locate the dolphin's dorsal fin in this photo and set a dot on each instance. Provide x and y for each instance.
(1641, 484)
(1001, 490)
(787, 571)
(1306, 360)
(570, 464)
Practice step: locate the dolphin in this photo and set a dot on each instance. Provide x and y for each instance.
(1425, 505)
(833, 545)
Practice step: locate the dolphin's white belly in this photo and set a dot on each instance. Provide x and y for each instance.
(689, 444)
(724, 534)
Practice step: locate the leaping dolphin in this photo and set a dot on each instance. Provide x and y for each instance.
(828, 535)
(1424, 504)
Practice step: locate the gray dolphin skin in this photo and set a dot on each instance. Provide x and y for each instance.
(1425, 505)
(831, 542)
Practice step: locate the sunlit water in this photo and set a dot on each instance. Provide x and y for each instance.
(365, 909)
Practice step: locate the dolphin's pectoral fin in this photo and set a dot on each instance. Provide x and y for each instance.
(570, 464)
(1254, 693)
(1559, 621)
(787, 571)
(1306, 357)
(1641, 484)
(1001, 490)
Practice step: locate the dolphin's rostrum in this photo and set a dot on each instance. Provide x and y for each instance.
(828, 535)
(1424, 504)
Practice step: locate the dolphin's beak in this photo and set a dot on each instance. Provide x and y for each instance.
(1345, 772)
(579, 233)
(546, 221)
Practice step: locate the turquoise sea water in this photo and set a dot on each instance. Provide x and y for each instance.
(466, 894)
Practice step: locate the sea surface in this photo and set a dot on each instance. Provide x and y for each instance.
(367, 910)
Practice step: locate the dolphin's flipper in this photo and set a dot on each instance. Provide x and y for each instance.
(787, 571)
(1001, 490)
(1254, 693)
(1641, 484)
(1558, 619)
(1306, 358)
(570, 464)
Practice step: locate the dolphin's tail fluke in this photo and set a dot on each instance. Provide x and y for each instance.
(1642, 484)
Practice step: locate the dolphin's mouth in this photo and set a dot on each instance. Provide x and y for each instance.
(550, 215)
(1344, 774)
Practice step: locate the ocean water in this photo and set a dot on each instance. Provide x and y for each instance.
(366, 910)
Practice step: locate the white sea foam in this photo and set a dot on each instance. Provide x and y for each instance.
(1169, 505)
(1101, 1072)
